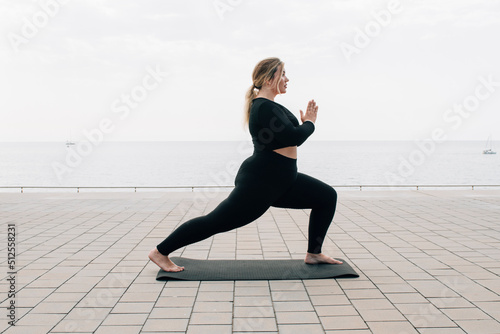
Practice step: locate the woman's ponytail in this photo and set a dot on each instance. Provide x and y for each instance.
(250, 95)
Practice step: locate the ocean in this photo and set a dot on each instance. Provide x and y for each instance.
(159, 164)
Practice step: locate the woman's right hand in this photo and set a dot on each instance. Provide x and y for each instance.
(311, 112)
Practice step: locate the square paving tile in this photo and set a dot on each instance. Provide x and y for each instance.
(301, 329)
(346, 322)
(165, 325)
(297, 318)
(211, 319)
(254, 324)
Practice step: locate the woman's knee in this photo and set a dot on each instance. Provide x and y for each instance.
(329, 197)
(332, 195)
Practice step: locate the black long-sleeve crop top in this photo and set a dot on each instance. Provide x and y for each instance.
(273, 126)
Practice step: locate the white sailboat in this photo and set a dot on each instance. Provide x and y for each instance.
(489, 149)
(70, 141)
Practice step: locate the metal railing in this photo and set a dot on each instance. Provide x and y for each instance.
(111, 187)
(409, 186)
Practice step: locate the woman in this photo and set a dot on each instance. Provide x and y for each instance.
(268, 178)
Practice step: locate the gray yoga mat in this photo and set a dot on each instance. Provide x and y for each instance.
(249, 270)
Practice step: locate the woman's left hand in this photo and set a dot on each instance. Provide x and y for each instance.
(311, 112)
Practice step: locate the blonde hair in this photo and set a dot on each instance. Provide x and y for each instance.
(263, 72)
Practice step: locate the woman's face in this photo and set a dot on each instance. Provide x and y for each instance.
(279, 81)
(283, 81)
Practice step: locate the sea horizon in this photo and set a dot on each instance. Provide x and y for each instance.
(215, 163)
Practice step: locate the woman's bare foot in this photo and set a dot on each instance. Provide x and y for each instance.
(163, 261)
(320, 258)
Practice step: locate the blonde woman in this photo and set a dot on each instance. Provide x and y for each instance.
(267, 178)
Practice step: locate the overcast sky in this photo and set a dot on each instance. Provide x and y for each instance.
(178, 70)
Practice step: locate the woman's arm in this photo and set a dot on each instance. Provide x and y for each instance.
(276, 125)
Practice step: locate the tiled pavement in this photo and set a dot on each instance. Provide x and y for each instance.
(428, 263)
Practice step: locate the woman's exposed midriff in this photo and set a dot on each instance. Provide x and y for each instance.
(289, 152)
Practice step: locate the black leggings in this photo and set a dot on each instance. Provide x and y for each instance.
(264, 179)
